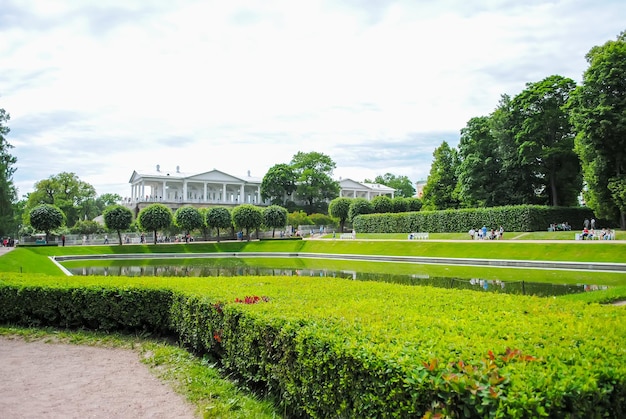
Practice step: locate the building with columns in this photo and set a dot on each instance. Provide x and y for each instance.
(215, 187)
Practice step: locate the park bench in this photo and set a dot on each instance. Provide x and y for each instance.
(418, 236)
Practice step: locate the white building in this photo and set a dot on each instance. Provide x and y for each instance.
(219, 188)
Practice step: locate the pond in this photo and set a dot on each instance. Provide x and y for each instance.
(476, 284)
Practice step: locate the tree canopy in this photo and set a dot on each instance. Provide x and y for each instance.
(402, 184)
(46, 217)
(8, 193)
(279, 183)
(598, 113)
(340, 208)
(188, 218)
(247, 216)
(275, 217)
(155, 217)
(442, 180)
(314, 181)
(118, 218)
(218, 217)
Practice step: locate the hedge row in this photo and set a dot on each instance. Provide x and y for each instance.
(329, 348)
(511, 218)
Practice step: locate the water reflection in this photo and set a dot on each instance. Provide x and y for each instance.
(477, 284)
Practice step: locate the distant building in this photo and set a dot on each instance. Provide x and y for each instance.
(419, 188)
(215, 187)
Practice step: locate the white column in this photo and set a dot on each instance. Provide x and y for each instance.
(242, 197)
(185, 190)
(206, 198)
(164, 190)
(143, 189)
(223, 192)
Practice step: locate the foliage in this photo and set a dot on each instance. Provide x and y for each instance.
(400, 204)
(66, 191)
(402, 184)
(359, 206)
(321, 219)
(439, 191)
(415, 204)
(298, 218)
(598, 113)
(86, 227)
(46, 217)
(274, 217)
(340, 209)
(219, 217)
(247, 216)
(278, 184)
(325, 353)
(8, 193)
(382, 204)
(188, 218)
(314, 181)
(155, 217)
(118, 218)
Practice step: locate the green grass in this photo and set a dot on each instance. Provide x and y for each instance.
(196, 379)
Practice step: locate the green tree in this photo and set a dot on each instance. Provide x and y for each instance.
(545, 140)
(598, 113)
(219, 217)
(359, 206)
(188, 218)
(382, 204)
(442, 180)
(155, 217)
(118, 218)
(479, 165)
(340, 209)
(247, 216)
(314, 181)
(106, 200)
(73, 196)
(274, 217)
(402, 184)
(278, 184)
(298, 218)
(8, 193)
(414, 204)
(46, 217)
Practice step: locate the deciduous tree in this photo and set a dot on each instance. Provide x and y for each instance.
(278, 184)
(274, 217)
(188, 218)
(219, 217)
(247, 216)
(118, 218)
(402, 184)
(8, 193)
(441, 183)
(340, 209)
(314, 181)
(155, 217)
(46, 217)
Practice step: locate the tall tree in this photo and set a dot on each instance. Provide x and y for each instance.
(118, 218)
(598, 112)
(315, 184)
(340, 208)
(73, 196)
(278, 184)
(402, 184)
(479, 165)
(545, 140)
(439, 192)
(155, 217)
(8, 193)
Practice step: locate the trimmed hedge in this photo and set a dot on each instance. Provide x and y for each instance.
(336, 348)
(512, 218)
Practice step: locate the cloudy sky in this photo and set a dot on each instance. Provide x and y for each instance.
(104, 88)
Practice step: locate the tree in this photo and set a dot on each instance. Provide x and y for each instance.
(359, 206)
(155, 217)
(218, 217)
(598, 113)
(118, 218)
(8, 193)
(278, 184)
(275, 216)
(73, 196)
(400, 204)
(382, 204)
(46, 217)
(441, 183)
(247, 216)
(340, 208)
(414, 204)
(545, 140)
(188, 218)
(315, 185)
(106, 200)
(402, 184)
(298, 218)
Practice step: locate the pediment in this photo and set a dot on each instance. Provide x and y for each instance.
(215, 176)
(351, 184)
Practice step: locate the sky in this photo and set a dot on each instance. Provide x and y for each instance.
(102, 89)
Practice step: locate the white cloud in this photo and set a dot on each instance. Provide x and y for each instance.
(103, 90)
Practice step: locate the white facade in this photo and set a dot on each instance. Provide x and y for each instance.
(219, 188)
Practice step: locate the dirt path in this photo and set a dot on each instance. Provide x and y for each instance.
(54, 380)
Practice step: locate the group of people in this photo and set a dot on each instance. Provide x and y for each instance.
(486, 234)
(589, 231)
(8, 242)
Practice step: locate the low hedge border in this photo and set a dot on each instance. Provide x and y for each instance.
(325, 368)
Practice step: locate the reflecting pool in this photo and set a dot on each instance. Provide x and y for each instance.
(476, 284)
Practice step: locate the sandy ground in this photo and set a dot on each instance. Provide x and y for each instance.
(55, 380)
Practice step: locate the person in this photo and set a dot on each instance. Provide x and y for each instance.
(84, 240)
(584, 234)
(472, 232)
(484, 232)
(142, 239)
(63, 240)
(501, 233)
(593, 223)
(106, 239)
(586, 223)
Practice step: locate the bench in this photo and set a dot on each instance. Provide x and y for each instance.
(346, 236)
(418, 236)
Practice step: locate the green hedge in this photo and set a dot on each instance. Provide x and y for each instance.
(337, 348)
(512, 218)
